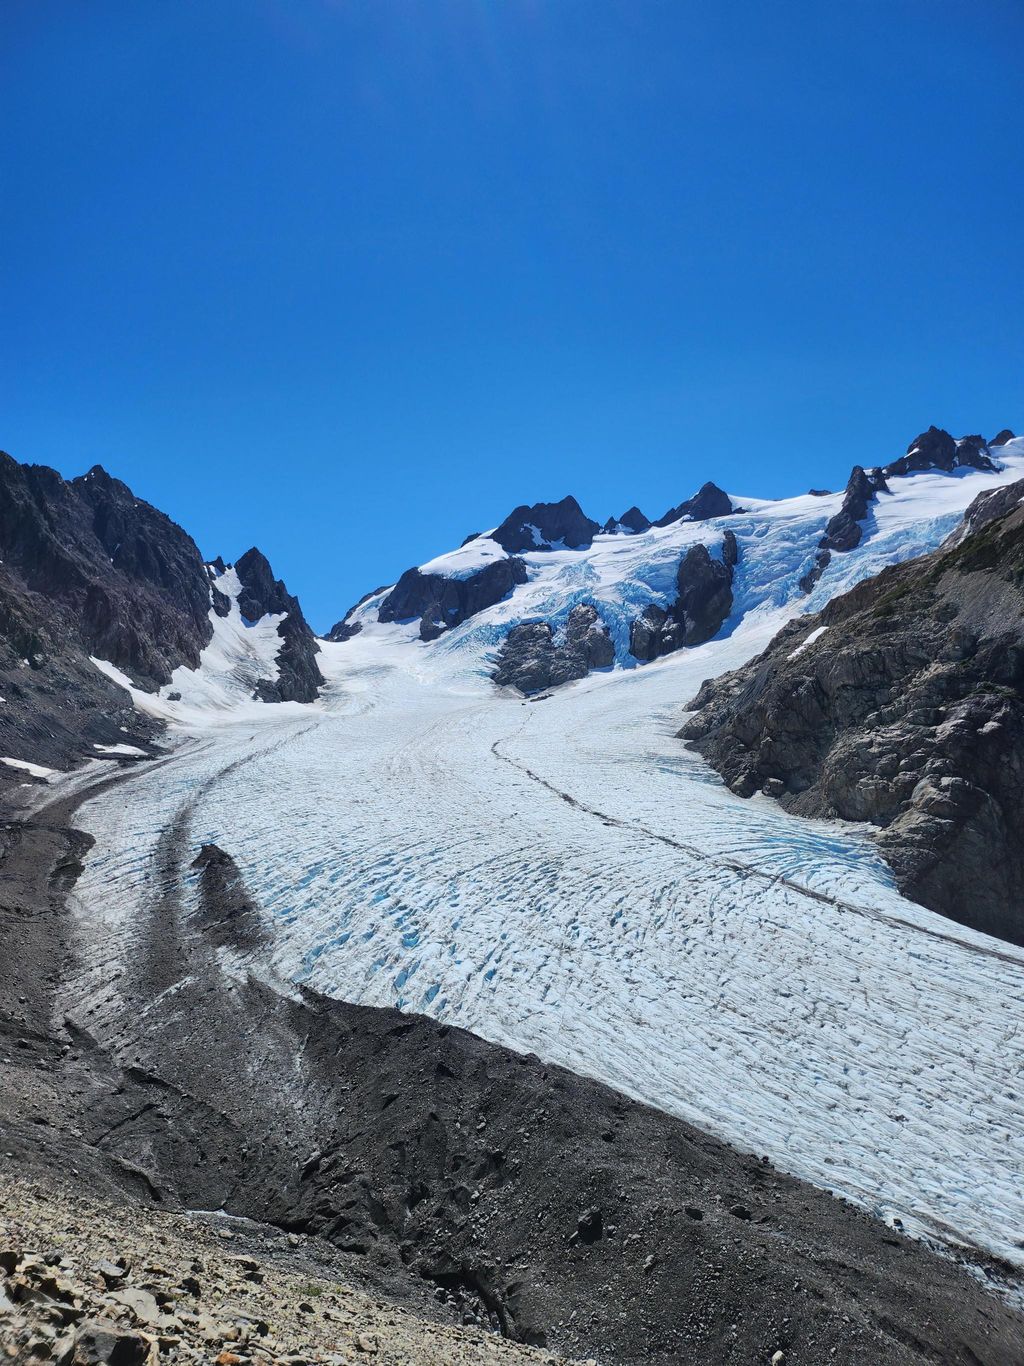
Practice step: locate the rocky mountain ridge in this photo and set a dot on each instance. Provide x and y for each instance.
(535, 651)
(88, 570)
(902, 704)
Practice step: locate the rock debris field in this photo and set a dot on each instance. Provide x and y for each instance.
(83, 1282)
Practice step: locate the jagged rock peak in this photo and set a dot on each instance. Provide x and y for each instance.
(119, 576)
(935, 449)
(843, 531)
(299, 677)
(546, 526)
(632, 521)
(709, 501)
(1002, 437)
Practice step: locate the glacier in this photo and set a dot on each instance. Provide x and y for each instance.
(562, 876)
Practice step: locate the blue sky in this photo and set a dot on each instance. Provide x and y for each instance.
(350, 280)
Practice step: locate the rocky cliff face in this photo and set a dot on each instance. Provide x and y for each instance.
(440, 602)
(87, 569)
(703, 602)
(299, 677)
(104, 568)
(534, 658)
(902, 704)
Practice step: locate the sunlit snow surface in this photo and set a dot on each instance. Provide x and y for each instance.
(564, 876)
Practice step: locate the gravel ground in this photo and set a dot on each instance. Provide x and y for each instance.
(83, 1281)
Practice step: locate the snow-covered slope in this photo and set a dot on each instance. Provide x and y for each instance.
(620, 573)
(240, 655)
(564, 877)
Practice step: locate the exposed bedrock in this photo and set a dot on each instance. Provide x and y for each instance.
(346, 628)
(532, 1201)
(299, 678)
(86, 568)
(532, 658)
(546, 526)
(843, 531)
(709, 501)
(632, 521)
(703, 603)
(87, 562)
(908, 712)
(442, 602)
(934, 449)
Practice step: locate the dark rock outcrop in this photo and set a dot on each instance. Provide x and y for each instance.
(545, 526)
(346, 628)
(648, 636)
(709, 501)
(908, 712)
(935, 449)
(705, 594)
(1002, 437)
(703, 602)
(87, 569)
(532, 659)
(632, 520)
(104, 568)
(843, 531)
(299, 678)
(442, 603)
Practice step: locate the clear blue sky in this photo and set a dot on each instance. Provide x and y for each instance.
(350, 279)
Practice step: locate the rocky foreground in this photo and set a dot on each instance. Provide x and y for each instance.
(85, 1282)
(448, 1175)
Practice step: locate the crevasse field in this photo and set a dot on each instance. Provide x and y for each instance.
(563, 876)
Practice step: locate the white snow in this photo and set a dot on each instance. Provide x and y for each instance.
(750, 971)
(812, 636)
(221, 688)
(468, 559)
(621, 574)
(36, 770)
(120, 750)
